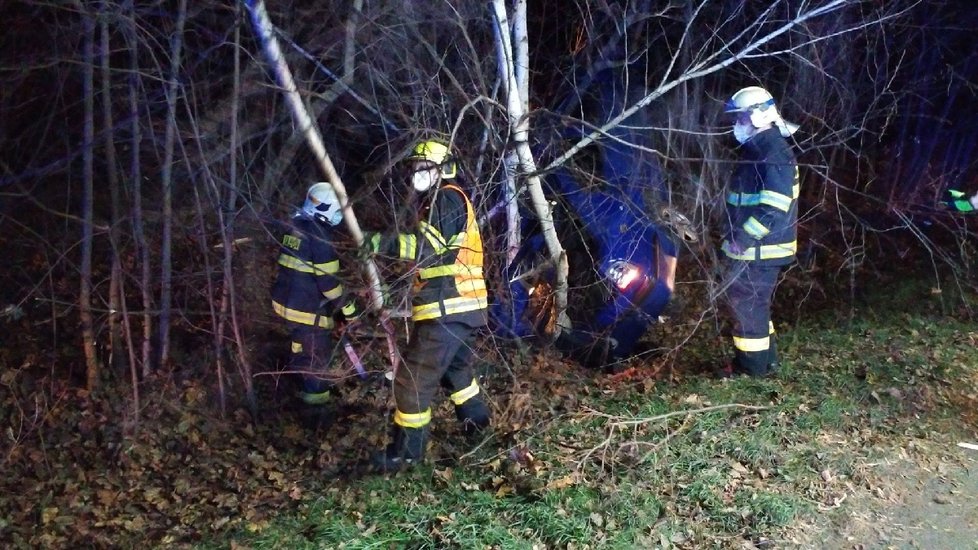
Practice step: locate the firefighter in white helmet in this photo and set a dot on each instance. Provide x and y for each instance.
(310, 297)
(762, 214)
(448, 305)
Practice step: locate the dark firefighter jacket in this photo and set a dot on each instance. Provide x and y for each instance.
(762, 202)
(306, 290)
(447, 249)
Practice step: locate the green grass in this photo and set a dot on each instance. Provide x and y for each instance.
(849, 390)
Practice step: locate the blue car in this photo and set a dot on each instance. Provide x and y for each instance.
(613, 216)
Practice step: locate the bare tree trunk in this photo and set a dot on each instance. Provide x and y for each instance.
(92, 367)
(116, 293)
(520, 130)
(227, 295)
(166, 267)
(136, 181)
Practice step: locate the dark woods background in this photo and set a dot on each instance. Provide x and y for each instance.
(141, 141)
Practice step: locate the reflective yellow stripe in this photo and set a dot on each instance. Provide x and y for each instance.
(475, 287)
(771, 198)
(461, 396)
(434, 237)
(752, 344)
(457, 240)
(407, 246)
(450, 270)
(374, 243)
(755, 228)
(770, 327)
(334, 292)
(767, 251)
(301, 317)
(743, 199)
(412, 420)
(292, 262)
(777, 200)
(349, 309)
(314, 398)
(452, 305)
(296, 347)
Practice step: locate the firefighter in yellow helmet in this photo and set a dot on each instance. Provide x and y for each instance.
(448, 305)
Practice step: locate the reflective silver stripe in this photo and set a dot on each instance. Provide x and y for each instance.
(291, 262)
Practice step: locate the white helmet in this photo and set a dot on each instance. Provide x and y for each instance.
(760, 104)
(323, 204)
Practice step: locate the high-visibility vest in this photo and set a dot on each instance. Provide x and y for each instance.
(455, 285)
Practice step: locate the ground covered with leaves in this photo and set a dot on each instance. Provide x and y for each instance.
(865, 415)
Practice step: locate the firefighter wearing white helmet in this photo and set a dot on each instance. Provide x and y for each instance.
(762, 214)
(758, 113)
(308, 294)
(448, 306)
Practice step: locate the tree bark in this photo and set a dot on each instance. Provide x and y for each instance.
(520, 130)
(92, 367)
(166, 246)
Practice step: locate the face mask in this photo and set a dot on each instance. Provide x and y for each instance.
(422, 180)
(335, 217)
(743, 132)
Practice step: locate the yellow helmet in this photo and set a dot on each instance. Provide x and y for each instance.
(436, 152)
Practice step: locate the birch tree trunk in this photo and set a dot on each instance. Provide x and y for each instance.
(520, 130)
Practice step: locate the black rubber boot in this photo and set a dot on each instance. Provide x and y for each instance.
(406, 448)
(773, 365)
(474, 415)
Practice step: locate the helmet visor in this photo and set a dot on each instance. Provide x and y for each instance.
(733, 107)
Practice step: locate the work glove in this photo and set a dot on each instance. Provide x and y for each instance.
(369, 246)
(958, 201)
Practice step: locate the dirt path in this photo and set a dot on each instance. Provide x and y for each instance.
(930, 504)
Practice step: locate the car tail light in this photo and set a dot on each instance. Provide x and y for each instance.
(623, 273)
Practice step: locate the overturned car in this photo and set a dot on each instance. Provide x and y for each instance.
(613, 216)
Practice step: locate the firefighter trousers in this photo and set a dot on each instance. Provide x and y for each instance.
(749, 294)
(439, 354)
(312, 354)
